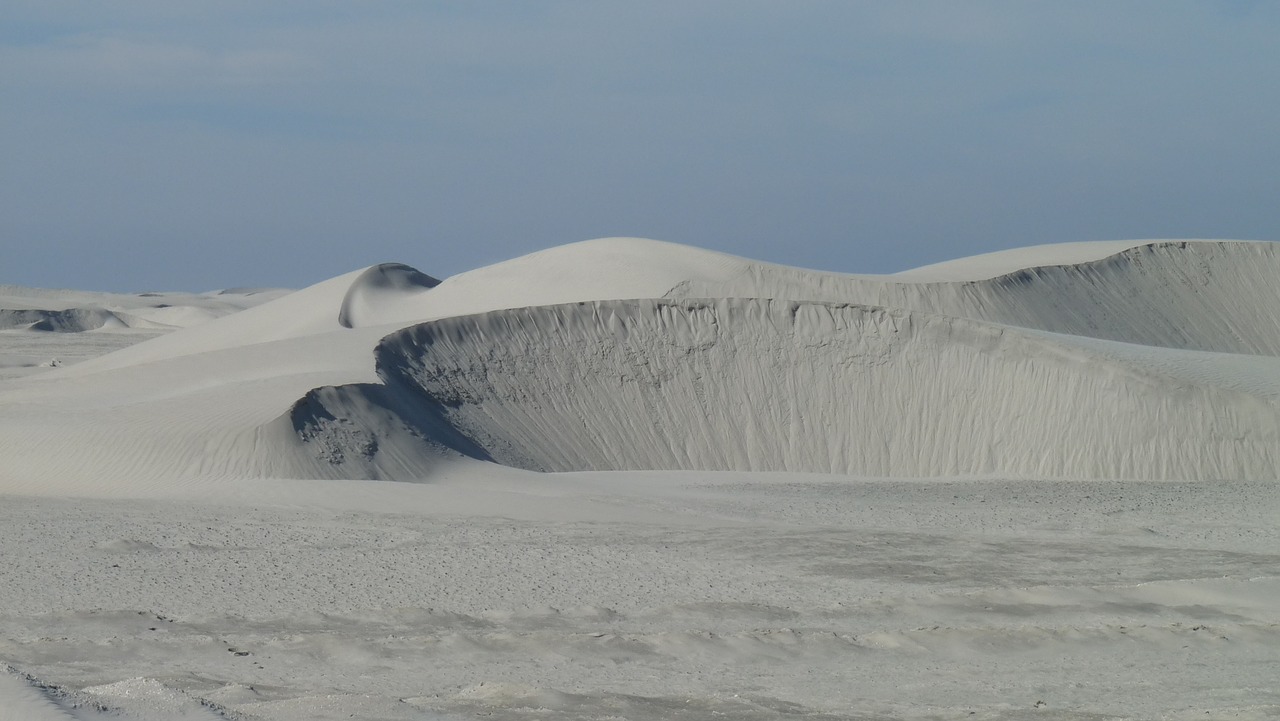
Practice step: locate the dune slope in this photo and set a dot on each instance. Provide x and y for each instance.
(1114, 360)
(764, 385)
(1195, 295)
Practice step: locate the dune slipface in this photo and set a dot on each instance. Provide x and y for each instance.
(1072, 370)
(773, 385)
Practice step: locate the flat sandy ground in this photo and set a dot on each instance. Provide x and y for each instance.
(26, 353)
(654, 596)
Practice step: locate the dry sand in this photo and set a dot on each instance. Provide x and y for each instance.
(1046, 487)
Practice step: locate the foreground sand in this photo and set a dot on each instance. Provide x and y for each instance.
(649, 596)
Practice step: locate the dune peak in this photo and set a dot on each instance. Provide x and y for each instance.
(377, 288)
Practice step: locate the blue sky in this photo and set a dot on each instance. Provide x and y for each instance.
(200, 145)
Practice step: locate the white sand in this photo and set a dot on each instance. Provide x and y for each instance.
(75, 325)
(186, 534)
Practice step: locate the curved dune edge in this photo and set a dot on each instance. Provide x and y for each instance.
(1197, 295)
(768, 385)
(1161, 361)
(378, 288)
(1193, 295)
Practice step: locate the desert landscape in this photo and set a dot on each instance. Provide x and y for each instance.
(631, 479)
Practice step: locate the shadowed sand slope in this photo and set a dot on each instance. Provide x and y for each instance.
(765, 385)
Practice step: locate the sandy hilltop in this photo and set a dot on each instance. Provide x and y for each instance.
(624, 478)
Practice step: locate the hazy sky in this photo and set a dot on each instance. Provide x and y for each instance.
(198, 145)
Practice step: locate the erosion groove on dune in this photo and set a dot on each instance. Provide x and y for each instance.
(749, 384)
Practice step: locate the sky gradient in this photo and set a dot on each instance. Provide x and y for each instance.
(202, 145)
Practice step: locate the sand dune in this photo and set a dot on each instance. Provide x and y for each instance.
(94, 324)
(1196, 295)
(380, 290)
(78, 311)
(71, 320)
(648, 481)
(755, 385)
(598, 356)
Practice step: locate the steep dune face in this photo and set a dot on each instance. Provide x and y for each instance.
(743, 384)
(1195, 295)
(1008, 373)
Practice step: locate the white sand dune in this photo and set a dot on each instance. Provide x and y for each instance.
(738, 384)
(596, 356)
(76, 311)
(32, 319)
(651, 481)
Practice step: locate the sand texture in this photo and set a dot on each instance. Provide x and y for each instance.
(627, 479)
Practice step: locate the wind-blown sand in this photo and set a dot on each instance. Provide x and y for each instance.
(1040, 482)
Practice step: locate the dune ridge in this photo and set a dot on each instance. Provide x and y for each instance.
(1024, 375)
(766, 385)
(1143, 360)
(1193, 295)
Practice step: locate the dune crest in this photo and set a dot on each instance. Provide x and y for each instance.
(379, 288)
